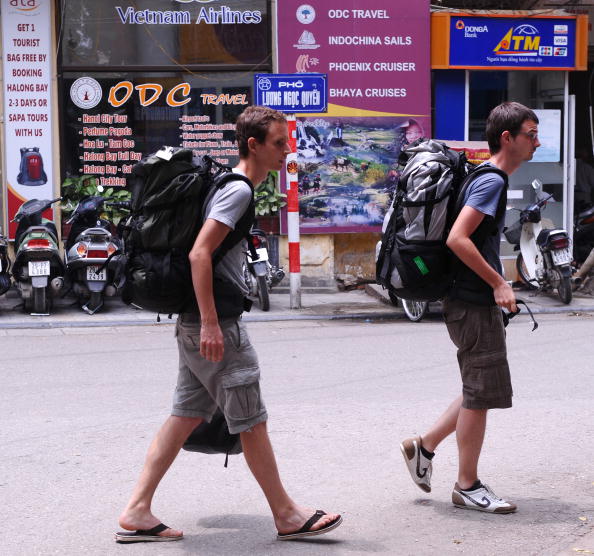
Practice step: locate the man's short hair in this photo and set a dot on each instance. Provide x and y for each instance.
(254, 122)
(508, 116)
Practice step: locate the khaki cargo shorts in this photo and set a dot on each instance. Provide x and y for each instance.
(231, 384)
(478, 333)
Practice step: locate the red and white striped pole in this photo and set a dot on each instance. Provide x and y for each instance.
(293, 216)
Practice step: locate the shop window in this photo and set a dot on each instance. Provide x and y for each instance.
(140, 33)
(196, 111)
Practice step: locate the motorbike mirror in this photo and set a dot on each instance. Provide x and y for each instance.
(536, 185)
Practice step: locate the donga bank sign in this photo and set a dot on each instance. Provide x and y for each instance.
(211, 12)
(512, 42)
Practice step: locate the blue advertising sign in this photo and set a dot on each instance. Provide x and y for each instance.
(292, 92)
(512, 42)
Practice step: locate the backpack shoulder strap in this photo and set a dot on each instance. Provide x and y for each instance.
(233, 238)
(480, 171)
(224, 178)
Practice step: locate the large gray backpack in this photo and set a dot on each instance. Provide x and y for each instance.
(412, 259)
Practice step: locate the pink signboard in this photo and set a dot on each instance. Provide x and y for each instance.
(376, 55)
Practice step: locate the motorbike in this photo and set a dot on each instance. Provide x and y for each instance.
(38, 270)
(93, 255)
(260, 276)
(4, 265)
(583, 233)
(545, 257)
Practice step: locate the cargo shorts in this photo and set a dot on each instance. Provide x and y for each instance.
(232, 384)
(479, 334)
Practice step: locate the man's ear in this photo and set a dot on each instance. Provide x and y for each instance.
(506, 137)
(251, 143)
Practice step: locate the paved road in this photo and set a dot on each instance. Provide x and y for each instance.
(80, 406)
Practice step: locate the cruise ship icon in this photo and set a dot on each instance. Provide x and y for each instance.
(306, 41)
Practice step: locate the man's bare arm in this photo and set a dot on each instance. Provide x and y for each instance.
(210, 237)
(460, 243)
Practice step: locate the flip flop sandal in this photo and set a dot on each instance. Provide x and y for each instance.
(148, 535)
(306, 530)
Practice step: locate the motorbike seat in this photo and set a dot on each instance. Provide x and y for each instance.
(102, 232)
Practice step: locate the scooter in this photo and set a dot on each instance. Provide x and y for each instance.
(93, 257)
(583, 234)
(260, 276)
(545, 257)
(38, 270)
(4, 265)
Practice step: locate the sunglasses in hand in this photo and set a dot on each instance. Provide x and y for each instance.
(508, 316)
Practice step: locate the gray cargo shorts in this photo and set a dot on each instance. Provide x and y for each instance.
(231, 384)
(479, 334)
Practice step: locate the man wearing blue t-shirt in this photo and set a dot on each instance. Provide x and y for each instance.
(473, 315)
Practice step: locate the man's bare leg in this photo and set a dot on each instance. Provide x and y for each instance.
(470, 433)
(443, 427)
(288, 516)
(161, 454)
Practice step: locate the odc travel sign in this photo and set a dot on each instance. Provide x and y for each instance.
(292, 92)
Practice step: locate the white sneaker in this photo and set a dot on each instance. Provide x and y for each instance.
(482, 499)
(419, 467)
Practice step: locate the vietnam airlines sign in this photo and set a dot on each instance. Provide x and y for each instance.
(512, 43)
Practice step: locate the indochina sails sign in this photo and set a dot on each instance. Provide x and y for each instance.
(26, 36)
(376, 56)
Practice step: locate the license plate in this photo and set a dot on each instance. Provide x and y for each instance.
(262, 254)
(561, 256)
(39, 268)
(94, 276)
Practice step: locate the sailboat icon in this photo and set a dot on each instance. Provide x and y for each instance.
(306, 41)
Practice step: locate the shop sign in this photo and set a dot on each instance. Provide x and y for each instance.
(376, 57)
(220, 15)
(512, 42)
(26, 33)
(105, 138)
(292, 92)
(124, 33)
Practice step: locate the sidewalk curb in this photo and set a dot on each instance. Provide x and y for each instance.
(166, 321)
(370, 317)
(382, 295)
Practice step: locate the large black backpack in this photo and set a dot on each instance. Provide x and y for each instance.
(412, 259)
(170, 190)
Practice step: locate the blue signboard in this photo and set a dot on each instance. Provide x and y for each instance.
(292, 92)
(512, 42)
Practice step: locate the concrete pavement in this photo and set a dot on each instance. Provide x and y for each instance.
(372, 302)
(81, 405)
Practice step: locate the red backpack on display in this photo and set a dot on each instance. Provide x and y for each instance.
(31, 169)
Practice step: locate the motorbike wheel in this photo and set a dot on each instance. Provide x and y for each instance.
(39, 301)
(263, 293)
(415, 310)
(523, 272)
(564, 290)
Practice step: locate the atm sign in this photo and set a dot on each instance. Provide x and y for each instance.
(523, 40)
